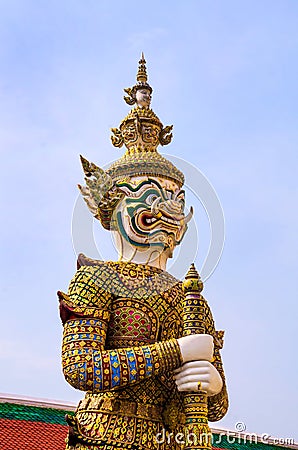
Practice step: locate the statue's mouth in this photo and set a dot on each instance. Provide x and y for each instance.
(148, 220)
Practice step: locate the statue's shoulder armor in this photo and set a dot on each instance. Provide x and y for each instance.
(91, 284)
(83, 260)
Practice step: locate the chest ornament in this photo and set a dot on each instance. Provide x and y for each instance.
(132, 321)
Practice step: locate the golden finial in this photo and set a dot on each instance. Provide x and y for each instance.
(192, 280)
(142, 72)
(192, 272)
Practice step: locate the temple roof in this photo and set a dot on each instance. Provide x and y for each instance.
(27, 423)
(35, 424)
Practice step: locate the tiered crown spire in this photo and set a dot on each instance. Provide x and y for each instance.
(141, 131)
(142, 71)
(142, 83)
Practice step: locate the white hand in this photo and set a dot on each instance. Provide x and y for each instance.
(196, 347)
(189, 376)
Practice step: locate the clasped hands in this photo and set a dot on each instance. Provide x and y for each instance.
(197, 372)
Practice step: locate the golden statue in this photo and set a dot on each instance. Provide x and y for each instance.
(129, 340)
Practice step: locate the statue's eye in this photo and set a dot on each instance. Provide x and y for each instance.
(150, 199)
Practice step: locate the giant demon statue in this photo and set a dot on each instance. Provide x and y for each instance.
(124, 342)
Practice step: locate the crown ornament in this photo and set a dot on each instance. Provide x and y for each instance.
(141, 132)
(140, 84)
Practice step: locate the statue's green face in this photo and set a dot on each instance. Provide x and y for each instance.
(151, 214)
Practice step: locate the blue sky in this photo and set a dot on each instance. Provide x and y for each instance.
(225, 74)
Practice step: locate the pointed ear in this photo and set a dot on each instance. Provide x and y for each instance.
(98, 183)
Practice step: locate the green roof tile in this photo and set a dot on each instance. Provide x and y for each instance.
(33, 413)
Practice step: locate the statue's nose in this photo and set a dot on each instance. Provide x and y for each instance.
(173, 206)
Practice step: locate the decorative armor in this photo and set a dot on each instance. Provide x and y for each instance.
(121, 324)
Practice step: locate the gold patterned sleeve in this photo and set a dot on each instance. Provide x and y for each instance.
(87, 365)
(217, 404)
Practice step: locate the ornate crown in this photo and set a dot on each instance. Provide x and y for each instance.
(141, 131)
